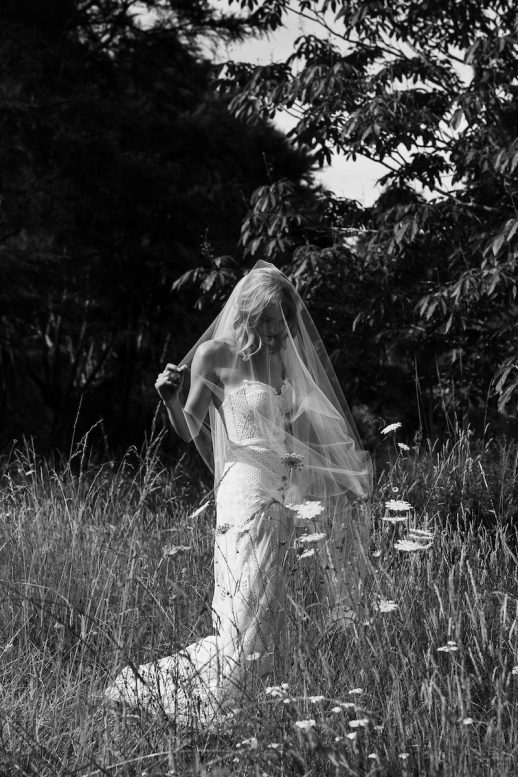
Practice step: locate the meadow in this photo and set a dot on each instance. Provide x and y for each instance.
(101, 565)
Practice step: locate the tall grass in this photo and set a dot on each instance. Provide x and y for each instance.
(90, 582)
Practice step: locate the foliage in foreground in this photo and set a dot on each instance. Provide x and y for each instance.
(92, 578)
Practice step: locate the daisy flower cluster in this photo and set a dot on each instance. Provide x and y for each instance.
(398, 511)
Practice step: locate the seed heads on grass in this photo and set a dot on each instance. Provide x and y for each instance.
(391, 428)
(199, 511)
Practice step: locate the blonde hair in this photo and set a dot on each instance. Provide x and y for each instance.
(265, 287)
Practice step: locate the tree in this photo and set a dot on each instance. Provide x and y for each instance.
(118, 164)
(429, 90)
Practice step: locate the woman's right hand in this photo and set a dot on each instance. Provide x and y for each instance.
(170, 381)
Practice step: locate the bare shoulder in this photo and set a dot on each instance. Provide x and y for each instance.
(212, 355)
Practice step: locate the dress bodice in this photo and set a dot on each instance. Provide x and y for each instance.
(255, 413)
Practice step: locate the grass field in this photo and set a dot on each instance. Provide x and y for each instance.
(424, 683)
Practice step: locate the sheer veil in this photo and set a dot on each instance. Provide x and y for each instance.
(321, 464)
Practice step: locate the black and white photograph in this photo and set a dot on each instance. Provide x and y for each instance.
(258, 388)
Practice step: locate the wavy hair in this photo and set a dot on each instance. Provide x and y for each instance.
(265, 287)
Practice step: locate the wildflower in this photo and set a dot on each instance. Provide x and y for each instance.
(386, 605)
(253, 657)
(376, 554)
(308, 553)
(292, 461)
(252, 743)
(352, 735)
(404, 446)
(275, 691)
(274, 746)
(373, 756)
(449, 647)
(316, 699)
(199, 511)
(305, 725)
(284, 686)
(407, 546)
(307, 510)
(339, 739)
(174, 550)
(514, 670)
(394, 518)
(349, 705)
(404, 756)
(356, 691)
(467, 721)
(359, 723)
(391, 428)
(336, 710)
(398, 505)
(309, 539)
(420, 534)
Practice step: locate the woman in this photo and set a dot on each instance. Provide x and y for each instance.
(258, 396)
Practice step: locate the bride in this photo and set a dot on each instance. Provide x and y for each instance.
(260, 399)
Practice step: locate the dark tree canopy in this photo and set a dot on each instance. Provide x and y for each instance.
(119, 164)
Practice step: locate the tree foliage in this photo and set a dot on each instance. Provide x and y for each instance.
(429, 90)
(118, 163)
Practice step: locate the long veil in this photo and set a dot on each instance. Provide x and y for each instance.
(324, 474)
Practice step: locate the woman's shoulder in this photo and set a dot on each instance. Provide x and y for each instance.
(217, 352)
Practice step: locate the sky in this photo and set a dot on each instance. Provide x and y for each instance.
(354, 180)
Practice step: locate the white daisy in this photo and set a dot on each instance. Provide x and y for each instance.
(359, 723)
(394, 518)
(398, 505)
(420, 534)
(310, 539)
(305, 725)
(307, 510)
(450, 647)
(407, 546)
(386, 605)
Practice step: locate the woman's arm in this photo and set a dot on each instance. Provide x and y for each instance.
(187, 421)
(204, 376)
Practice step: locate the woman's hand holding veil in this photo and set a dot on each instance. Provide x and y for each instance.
(169, 382)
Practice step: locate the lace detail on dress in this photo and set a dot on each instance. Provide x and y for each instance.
(245, 407)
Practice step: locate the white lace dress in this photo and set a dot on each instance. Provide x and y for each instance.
(253, 537)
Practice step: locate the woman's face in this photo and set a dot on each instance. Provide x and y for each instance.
(271, 328)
